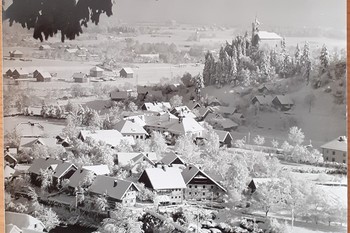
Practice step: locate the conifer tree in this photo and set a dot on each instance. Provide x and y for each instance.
(324, 59)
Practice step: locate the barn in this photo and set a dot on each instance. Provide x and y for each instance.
(80, 78)
(96, 71)
(16, 54)
(126, 73)
(43, 77)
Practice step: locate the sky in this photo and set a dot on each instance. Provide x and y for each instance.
(275, 13)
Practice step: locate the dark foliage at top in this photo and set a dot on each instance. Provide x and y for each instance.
(47, 17)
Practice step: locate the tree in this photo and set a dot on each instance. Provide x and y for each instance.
(176, 101)
(187, 148)
(324, 59)
(198, 86)
(46, 178)
(310, 100)
(46, 215)
(212, 143)
(274, 143)
(101, 203)
(158, 143)
(259, 140)
(296, 136)
(305, 61)
(45, 17)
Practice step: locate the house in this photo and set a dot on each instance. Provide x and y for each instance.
(336, 150)
(84, 176)
(9, 73)
(202, 113)
(30, 130)
(45, 47)
(64, 170)
(218, 122)
(137, 117)
(31, 142)
(182, 111)
(119, 95)
(153, 96)
(16, 54)
(200, 185)
(226, 111)
(43, 77)
(172, 159)
(265, 89)
(10, 155)
(110, 137)
(96, 71)
(184, 126)
(24, 222)
(20, 74)
(126, 73)
(136, 159)
(129, 128)
(98, 169)
(41, 164)
(167, 183)
(10, 228)
(227, 124)
(255, 183)
(270, 39)
(115, 191)
(225, 138)
(156, 106)
(262, 100)
(80, 78)
(193, 105)
(238, 118)
(214, 102)
(282, 102)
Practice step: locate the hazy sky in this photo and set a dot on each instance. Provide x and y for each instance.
(298, 13)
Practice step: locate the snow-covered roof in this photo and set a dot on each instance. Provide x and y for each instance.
(126, 157)
(264, 99)
(96, 68)
(170, 157)
(24, 221)
(165, 178)
(30, 129)
(111, 186)
(128, 70)
(226, 110)
(157, 106)
(129, 128)
(264, 35)
(191, 171)
(283, 99)
(186, 125)
(110, 137)
(101, 169)
(79, 75)
(17, 52)
(223, 134)
(193, 104)
(340, 143)
(45, 74)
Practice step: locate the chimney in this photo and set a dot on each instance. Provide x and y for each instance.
(115, 183)
(7, 148)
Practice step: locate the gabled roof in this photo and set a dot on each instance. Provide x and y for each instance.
(340, 143)
(193, 104)
(78, 178)
(212, 101)
(128, 70)
(186, 125)
(183, 111)
(110, 137)
(119, 95)
(283, 99)
(79, 75)
(30, 142)
(62, 168)
(191, 171)
(21, 71)
(23, 221)
(8, 154)
(165, 178)
(262, 181)
(238, 115)
(42, 164)
(264, 99)
(227, 123)
(111, 186)
(126, 157)
(17, 52)
(30, 129)
(98, 169)
(202, 111)
(144, 89)
(10, 228)
(264, 35)
(129, 127)
(170, 157)
(45, 74)
(157, 107)
(222, 135)
(96, 68)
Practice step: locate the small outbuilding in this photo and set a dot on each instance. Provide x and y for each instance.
(283, 102)
(16, 54)
(80, 77)
(96, 71)
(43, 77)
(126, 72)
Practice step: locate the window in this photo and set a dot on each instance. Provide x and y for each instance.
(326, 158)
(189, 193)
(333, 159)
(195, 186)
(204, 186)
(333, 152)
(195, 193)
(137, 137)
(203, 194)
(344, 161)
(212, 187)
(344, 154)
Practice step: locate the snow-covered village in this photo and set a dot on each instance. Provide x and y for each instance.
(161, 116)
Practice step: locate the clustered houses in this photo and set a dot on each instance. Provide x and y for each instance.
(27, 75)
(280, 102)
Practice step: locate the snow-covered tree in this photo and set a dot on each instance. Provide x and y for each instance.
(324, 59)
(176, 101)
(259, 140)
(305, 61)
(296, 136)
(158, 143)
(274, 143)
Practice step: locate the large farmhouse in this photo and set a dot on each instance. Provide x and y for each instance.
(336, 150)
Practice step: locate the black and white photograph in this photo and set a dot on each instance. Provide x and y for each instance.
(175, 116)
